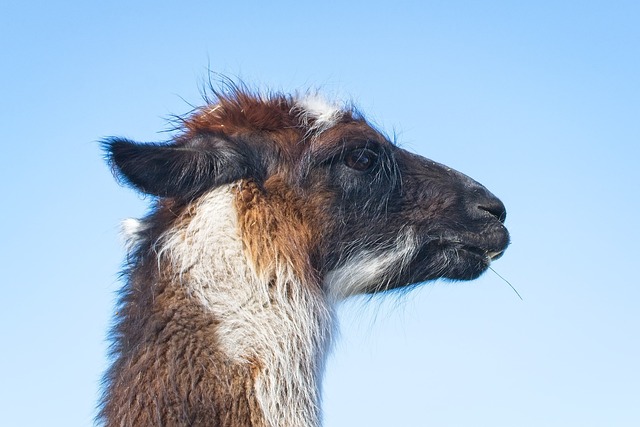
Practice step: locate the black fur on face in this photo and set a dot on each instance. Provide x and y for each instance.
(382, 192)
(459, 222)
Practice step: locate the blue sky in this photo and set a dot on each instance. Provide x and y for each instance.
(539, 101)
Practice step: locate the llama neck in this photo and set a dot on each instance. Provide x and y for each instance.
(267, 317)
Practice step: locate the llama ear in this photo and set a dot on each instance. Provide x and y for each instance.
(184, 171)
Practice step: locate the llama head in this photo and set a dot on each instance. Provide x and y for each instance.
(323, 191)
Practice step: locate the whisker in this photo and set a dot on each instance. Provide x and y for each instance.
(507, 282)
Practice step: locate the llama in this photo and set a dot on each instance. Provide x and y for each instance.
(267, 211)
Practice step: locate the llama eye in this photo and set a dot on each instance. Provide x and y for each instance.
(361, 159)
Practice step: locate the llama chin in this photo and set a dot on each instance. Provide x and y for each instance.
(269, 210)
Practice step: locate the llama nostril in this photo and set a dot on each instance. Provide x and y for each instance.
(481, 201)
(495, 207)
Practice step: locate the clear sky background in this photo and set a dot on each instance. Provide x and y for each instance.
(539, 101)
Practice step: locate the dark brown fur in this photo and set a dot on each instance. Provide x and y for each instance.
(168, 371)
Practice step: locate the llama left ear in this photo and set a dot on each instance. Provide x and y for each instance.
(181, 171)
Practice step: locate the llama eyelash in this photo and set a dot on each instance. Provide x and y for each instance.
(227, 312)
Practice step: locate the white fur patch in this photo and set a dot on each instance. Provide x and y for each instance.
(367, 269)
(130, 230)
(285, 324)
(317, 113)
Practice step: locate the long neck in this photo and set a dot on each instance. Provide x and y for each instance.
(261, 330)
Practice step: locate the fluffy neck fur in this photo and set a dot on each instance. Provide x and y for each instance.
(253, 337)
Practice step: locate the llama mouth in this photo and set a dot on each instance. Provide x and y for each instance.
(488, 254)
(458, 261)
(475, 251)
(488, 248)
(494, 255)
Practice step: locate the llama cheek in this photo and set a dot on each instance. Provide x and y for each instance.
(369, 270)
(275, 231)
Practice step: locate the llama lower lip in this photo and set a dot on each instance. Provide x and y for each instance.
(476, 251)
(487, 255)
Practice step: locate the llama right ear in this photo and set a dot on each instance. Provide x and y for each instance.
(184, 171)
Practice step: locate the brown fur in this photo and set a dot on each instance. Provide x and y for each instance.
(169, 368)
(276, 228)
(244, 114)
